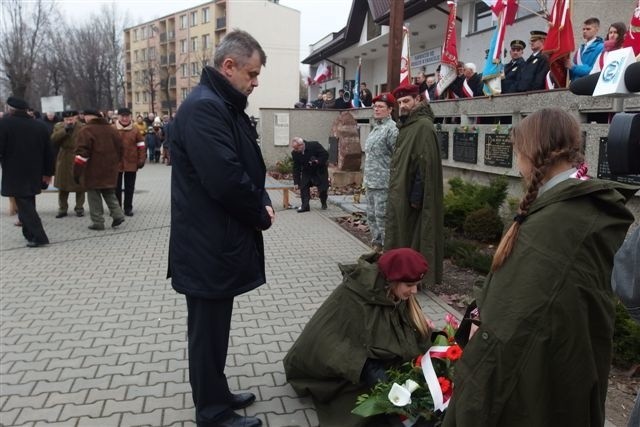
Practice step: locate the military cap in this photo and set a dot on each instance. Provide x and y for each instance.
(124, 111)
(387, 98)
(17, 103)
(69, 113)
(517, 44)
(406, 90)
(91, 112)
(536, 35)
(402, 265)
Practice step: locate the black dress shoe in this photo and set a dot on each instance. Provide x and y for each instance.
(116, 222)
(61, 215)
(242, 400)
(235, 420)
(301, 210)
(79, 213)
(32, 244)
(324, 206)
(128, 213)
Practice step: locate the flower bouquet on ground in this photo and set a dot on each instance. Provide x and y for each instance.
(419, 389)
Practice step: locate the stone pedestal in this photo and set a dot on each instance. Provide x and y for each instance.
(345, 128)
(343, 178)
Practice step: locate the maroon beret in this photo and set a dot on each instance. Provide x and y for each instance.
(402, 265)
(387, 98)
(406, 90)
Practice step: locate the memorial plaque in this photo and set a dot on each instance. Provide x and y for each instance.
(465, 147)
(443, 141)
(498, 151)
(603, 167)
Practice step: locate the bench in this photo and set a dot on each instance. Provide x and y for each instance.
(272, 184)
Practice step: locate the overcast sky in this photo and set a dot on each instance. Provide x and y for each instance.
(317, 18)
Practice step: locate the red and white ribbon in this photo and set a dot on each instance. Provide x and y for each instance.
(440, 352)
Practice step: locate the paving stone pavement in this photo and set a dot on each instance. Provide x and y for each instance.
(92, 334)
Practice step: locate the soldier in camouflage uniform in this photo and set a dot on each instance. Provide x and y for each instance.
(379, 149)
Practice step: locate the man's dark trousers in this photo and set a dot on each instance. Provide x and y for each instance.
(208, 325)
(32, 229)
(305, 195)
(129, 187)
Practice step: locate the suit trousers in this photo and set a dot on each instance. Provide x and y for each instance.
(129, 179)
(208, 325)
(63, 203)
(96, 209)
(305, 195)
(32, 229)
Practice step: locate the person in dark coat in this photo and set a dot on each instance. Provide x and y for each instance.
(513, 68)
(310, 169)
(96, 166)
(371, 322)
(534, 73)
(26, 157)
(64, 138)
(219, 208)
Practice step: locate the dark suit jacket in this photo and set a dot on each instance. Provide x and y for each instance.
(533, 74)
(308, 172)
(511, 72)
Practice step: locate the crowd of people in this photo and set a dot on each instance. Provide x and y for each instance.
(95, 155)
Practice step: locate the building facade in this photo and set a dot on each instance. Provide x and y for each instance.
(164, 57)
(366, 35)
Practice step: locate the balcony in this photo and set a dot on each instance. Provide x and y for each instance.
(221, 23)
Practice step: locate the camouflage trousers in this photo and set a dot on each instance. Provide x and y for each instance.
(377, 213)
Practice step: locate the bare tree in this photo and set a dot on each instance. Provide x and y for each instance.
(23, 26)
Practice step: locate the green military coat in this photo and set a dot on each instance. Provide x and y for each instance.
(66, 144)
(357, 321)
(423, 228)
(542, 354)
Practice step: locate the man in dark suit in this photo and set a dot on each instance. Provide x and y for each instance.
(513, 68)
(532, 76)
(26, 157)
(310, 169)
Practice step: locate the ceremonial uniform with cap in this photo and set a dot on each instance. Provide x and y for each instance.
(379, 147)
(26, 157)
(513, 68)
(533, 74)
(64, 137)
(357, 324)
(134, 154)
(415, 215)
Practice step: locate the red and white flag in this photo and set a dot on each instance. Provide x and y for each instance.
(449, 59)
(632, 37)
(405, 59)
(322, 74)
(559, 43)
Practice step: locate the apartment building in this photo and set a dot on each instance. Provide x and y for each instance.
(164, 57)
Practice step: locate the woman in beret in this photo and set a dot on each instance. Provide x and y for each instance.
(542, 352)
(370, 322)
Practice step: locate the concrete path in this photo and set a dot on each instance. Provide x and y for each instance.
(92, 333)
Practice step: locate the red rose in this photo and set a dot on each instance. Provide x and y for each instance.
(418, 361)
(454, 352)
(445, 384)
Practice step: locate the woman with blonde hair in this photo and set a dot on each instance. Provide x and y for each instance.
(370, 322)
(542, 352)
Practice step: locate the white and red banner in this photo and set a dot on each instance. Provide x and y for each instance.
(322, 74)
(449, 64)
(559, 43)
(632, 36)
(405, 59)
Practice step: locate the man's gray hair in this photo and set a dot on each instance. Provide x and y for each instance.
(239, 46)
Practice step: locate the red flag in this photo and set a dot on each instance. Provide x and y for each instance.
(405, 60)
(632, 37)
(449, 59)
(559, 43)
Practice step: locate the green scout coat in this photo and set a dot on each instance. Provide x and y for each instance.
(66, 144)
(357, 321)
(421, 229)
(542, 354)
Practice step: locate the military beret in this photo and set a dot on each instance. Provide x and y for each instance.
(17, 103)
(406, 90)
(69, 113)
(91, 112)
(387, 98)
(535, 35)
(402, 265)
(517, 44)
(124, 111)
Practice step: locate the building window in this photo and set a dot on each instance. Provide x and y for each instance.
(194, 18)
(183, 21)
(136, 77)
(135, 35)
(185, 70)
(183, 45)
(194, 69)
(526, 6)
(137, 97)
(144, 96)
(143, 53)
(206, 41)
(135, 56)
(152, 53)
(194, 44)
(206, 16)
(483, 18)
(183, 93)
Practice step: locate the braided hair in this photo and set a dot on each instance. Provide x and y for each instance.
(545, 138)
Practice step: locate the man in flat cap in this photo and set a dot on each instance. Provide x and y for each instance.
(513, 68)
(415, 215)
(64, 138)
(27, 165)
(134, 154)
(96, 165)
(532, 76)
(379, 147)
